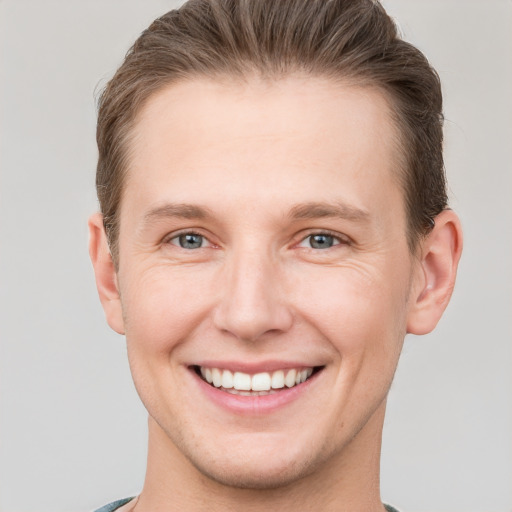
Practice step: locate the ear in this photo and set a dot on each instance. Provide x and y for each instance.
(434, 277)
(105, 272)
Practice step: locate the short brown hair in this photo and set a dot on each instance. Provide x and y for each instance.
(338, 39)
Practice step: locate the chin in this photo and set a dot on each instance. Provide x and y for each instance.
(256, 475)
(257, 461)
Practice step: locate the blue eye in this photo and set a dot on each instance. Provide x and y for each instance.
(188, 241)
(321, 241)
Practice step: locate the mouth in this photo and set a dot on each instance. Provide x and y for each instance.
(257, 384)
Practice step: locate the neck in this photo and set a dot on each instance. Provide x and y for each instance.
(348, 481)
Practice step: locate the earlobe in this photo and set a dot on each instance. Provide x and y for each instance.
(105, 272)
(435, 274)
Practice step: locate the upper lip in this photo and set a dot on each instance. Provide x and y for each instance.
(255, 367)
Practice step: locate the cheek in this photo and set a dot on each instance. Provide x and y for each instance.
(355, 311)
(163, 304)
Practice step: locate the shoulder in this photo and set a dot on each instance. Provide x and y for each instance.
(115, 505)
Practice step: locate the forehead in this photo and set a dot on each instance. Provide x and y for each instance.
(258, 139)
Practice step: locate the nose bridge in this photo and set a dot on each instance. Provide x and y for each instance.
(252, 302)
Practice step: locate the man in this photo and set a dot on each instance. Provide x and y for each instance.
(273, 223)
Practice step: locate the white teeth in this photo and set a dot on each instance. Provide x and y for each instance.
(259, 383)
(278, 379)
(290, 378)
(242, 381)
(216, 377)
(251, 393)
(227, 379)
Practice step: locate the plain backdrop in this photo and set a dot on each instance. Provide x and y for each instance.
(73, 433)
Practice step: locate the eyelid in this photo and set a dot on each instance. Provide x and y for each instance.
(190, 231)
(339, 237)
(342, 239)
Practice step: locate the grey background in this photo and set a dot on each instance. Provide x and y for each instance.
(73, 434)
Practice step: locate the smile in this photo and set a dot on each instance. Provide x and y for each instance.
(263, 383)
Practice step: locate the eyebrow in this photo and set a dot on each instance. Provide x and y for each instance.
(303, 211)
(176, 210)
(333, 210)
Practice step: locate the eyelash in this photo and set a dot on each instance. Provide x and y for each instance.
(177, 236)
(340, 240)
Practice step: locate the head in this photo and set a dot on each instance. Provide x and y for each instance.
(351, 41)
(273, 206)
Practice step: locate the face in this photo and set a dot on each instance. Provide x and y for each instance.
(264, 273)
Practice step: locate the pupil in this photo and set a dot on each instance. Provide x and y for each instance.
(191, 241)
(321, 241)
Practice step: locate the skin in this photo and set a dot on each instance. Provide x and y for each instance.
(268, 162)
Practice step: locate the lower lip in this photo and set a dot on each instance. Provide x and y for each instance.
(257, 404)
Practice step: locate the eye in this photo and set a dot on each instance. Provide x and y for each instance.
(321, 241)
(189, 241)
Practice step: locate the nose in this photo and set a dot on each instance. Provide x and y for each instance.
(252, 302)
